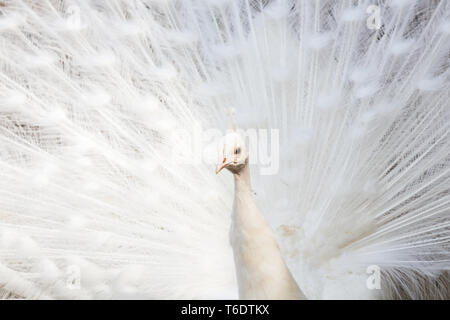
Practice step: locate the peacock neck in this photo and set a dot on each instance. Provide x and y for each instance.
(242, 181)
(260, 268)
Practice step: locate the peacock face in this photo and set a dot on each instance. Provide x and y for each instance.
(234, 153)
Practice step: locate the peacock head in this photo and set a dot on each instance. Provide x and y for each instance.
(234, 152)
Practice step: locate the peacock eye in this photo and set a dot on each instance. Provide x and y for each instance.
(237, 151)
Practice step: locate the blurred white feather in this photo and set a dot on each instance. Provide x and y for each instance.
(93, 93)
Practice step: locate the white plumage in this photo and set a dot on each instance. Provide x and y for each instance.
(100, 179)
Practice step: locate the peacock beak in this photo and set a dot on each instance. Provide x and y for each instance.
(224, 164)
